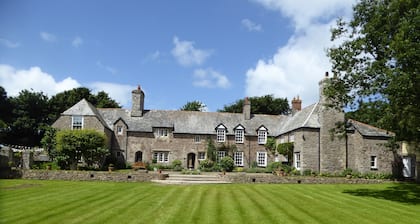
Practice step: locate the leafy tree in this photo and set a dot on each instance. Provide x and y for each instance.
(29, 118)
(6, 114)
(194, 106)
(379, 59)
(260, 105)
(211, 150)
(72, 145)
(370, 113)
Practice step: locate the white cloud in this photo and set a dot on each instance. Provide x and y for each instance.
(49, 37)
(305, 13)
(14, 81)
(186, 55)
(9, 43)
(77, 41)
(296, 68)
(119, 92)
(210, 79)
(106, 67)
(250, 25)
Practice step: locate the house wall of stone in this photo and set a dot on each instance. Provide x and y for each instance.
(307, 142)
(360, 150)
(180, 145)
(119, 142)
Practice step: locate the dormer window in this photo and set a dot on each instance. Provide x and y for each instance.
(239, 134)
(76, 122)
(221, 133)
(162, 132)
(262, 135)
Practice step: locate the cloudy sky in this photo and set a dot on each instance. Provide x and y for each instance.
(214, 51)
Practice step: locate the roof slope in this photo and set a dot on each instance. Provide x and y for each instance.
(307, 117)
(85, 108)
(370, 131)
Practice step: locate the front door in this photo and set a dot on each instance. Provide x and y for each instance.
(191, 161)
(408, 167)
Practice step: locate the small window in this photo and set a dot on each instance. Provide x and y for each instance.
(221, 134)
(373, 163)
(292, 138)
(297, 160)
(220, 155)
(77, 122)
(262, 135)
(238, 158)
(162, 132)
(197, 139)
(161, 157)
(201, 155)
(239, 136)
(119, 130)
(262, 159)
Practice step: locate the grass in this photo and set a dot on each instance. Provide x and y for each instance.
(30, 201)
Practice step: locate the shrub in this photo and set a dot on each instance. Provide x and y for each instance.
(227, 164)
(273, 166)
(177, 165)
(206, 164)
(307, 172)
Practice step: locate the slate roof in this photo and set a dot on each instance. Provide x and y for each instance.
(368, 130)
(195, 122)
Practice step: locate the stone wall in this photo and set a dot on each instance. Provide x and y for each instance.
(134, 176)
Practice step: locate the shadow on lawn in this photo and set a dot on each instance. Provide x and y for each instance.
(404, 193)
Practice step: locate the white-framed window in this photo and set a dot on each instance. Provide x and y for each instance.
(239, 135)
(373, 162)
(201, 155)
(297, 160)
(282, 139)
(161, 157)
(76, 122)
(197, 139)
(292, 138)
(162, 132)
(262, 135)
(221, 134)
(120, 129)
(238, 158)
(262, 159)
(220, 155)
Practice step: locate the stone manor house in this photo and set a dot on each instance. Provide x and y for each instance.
(164, 136)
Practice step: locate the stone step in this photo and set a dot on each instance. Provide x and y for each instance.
(193, 179)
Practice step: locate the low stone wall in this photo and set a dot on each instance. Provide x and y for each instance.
(134, 176)
(274, 179)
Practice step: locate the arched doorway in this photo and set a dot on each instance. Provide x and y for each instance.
(138, 156)
(191, 160)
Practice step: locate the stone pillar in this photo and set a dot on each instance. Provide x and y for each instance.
(27, 159)
(247, 109)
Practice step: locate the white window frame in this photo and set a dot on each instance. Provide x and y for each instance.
(221, 134)
(292, 138)
(77, 124)
(373, 162)
(161, 156)
(220, 155)
(201, 155)
(238, 158)
(261, 159)
(162, 132)
(239, 135)
(262, 135)
(297, 160)
(197, 139)
(120, 129)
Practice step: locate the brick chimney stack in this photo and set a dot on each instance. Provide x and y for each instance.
(296, 104)
(137, 98)
(247, 109)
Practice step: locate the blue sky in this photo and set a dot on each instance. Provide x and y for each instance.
(215, 51)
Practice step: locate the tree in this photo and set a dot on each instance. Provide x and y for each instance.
(194, 106)
(75, 145)
(6, 114)
(29, 118)
(260, 105)
(378, 59)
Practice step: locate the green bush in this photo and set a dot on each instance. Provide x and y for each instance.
(227, 164)
(307, 172)
(273, 166)
(206, 164)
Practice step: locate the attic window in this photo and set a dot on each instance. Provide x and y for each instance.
(239, 134)
(120, 130)
(162, 132)
(221, 133)
(262, 135)
(76, 122)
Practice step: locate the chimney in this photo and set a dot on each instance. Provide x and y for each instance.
(322, 85)
(137, 104)
(247, 109)
(296, 104)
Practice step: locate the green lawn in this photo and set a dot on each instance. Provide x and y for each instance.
(29, 201)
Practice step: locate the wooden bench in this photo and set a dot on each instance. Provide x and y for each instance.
(139, 165)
